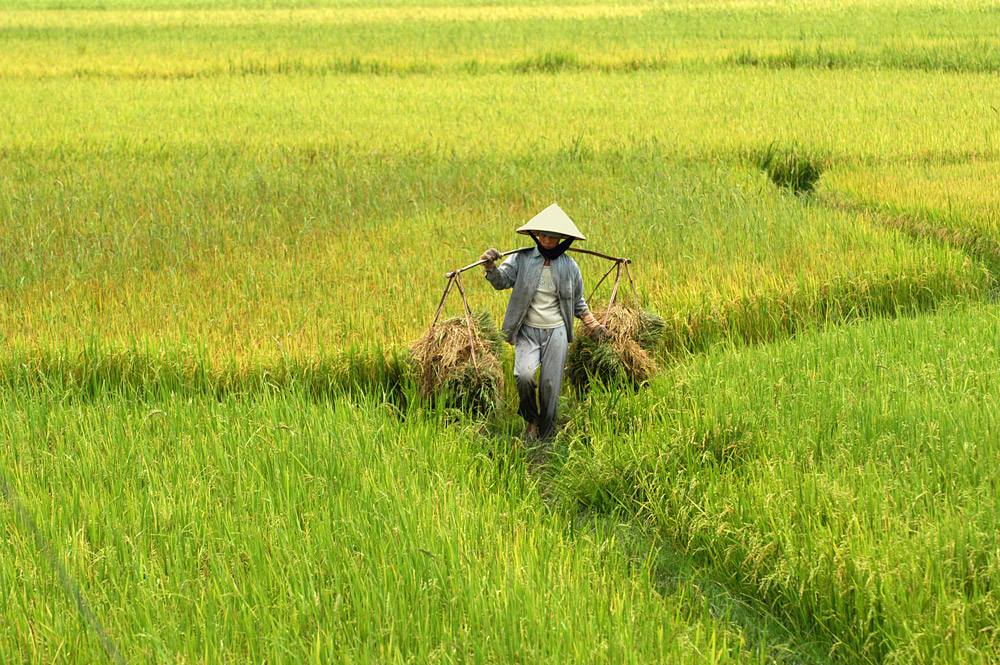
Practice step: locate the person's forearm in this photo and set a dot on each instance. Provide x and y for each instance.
(595, 327)
(589, 320)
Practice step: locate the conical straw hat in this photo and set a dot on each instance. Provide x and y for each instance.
(552, 220)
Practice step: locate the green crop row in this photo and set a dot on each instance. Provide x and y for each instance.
(168, 41)
(703, 114)
(844, 477)
(952, 203)
(841, 479)
(277, 529)
(245, 259)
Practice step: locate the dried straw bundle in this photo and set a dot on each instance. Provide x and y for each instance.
(623, 357)
(443, 360)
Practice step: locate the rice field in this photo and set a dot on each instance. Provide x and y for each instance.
(275, 528)
(165, 39)
(842, 476)
(259, 262)
(223, 224)
(950, 203)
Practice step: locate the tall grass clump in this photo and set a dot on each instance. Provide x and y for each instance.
(625, 356)
(460, 364)
(792, 169)
(93, 371)
(547, 63)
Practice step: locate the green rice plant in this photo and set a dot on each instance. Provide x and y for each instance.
(836, 477)
(344, 531)
(789, 169)
(91, 372)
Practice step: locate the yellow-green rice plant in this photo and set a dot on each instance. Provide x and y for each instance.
(950, 201)
(309, 38)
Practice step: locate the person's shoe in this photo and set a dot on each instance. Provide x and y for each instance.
(531, 434)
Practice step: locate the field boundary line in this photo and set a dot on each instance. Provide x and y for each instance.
(979, 247)
(68, 584)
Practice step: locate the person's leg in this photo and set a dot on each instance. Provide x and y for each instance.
(527, 356)
(553, 363)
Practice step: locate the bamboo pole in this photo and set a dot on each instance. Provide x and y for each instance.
(616, 259)
(447, 290)
(631, 281)
(455, 278)
(468, 320)
(614, 293)
(601, 281)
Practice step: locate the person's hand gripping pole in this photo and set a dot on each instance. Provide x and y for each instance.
(489, 258)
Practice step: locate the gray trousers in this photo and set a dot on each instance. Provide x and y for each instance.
(543, 350)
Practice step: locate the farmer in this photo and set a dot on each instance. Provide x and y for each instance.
(548, 293)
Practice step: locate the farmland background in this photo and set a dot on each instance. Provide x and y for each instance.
(222, 223)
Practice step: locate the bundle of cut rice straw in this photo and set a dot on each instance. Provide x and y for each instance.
(443, 360)
(625, 356)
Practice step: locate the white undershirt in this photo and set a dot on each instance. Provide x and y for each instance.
(543, 312)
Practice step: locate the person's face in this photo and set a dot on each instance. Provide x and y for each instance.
(547, 241)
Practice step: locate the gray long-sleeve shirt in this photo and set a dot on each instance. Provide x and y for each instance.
(522, 272)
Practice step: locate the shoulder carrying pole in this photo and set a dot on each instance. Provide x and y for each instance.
(455, 278)
(616, 259)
